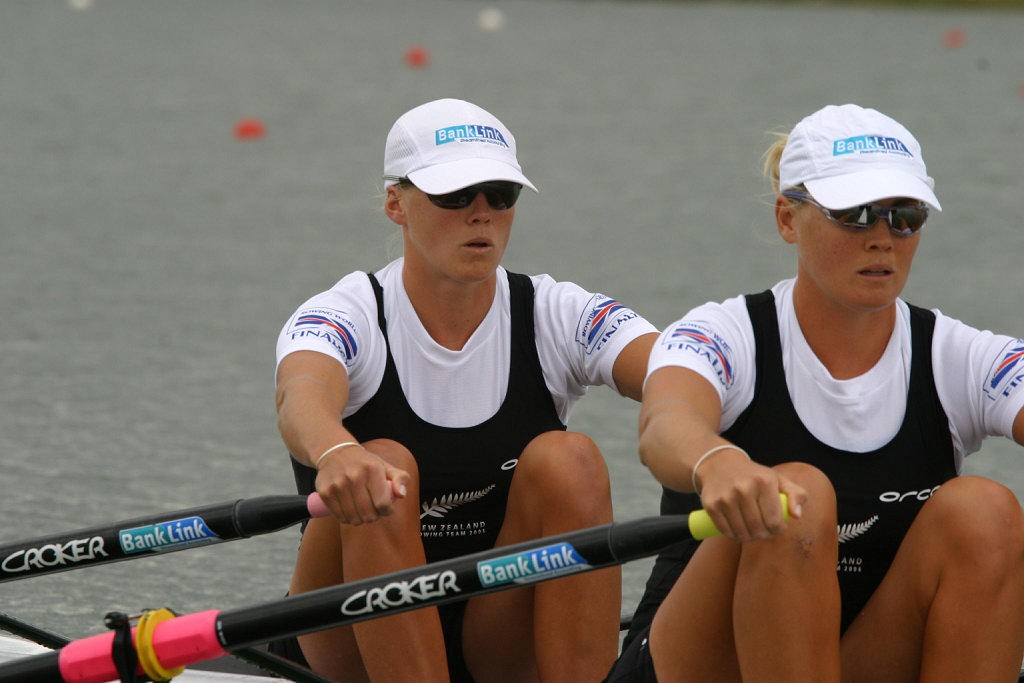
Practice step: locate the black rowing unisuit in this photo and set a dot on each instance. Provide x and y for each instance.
(465, 472)
(879, 492)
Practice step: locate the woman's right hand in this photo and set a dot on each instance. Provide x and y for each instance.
(358, 486)
(742, 497)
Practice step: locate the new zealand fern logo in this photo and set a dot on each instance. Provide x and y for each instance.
(439, 507)
(848, 532)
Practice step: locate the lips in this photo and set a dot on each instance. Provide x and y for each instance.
(876, 271)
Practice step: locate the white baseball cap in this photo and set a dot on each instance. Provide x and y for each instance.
(848, 155)
(449, 144)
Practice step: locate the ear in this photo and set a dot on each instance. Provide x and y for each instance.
(394, 207)
(785, 215)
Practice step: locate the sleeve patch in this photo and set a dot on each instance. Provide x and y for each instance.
(1007, 373)
(693, 337)
(601, 318)
(327, 324)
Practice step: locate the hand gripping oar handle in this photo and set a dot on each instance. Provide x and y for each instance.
(202, 636)
(145, 536)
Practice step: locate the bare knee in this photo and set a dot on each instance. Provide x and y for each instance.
(980, 518)
(821, 496)
(393, 453)
(563, 461)
(564, 474)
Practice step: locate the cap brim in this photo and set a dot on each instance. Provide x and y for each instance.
(455, 175)
(864, 187)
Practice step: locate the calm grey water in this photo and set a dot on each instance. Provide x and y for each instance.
(148, 258)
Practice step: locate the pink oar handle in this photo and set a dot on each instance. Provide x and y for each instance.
(180, 641)
(316, 506)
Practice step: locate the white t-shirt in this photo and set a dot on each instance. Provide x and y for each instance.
(579, 336)
(978, 375)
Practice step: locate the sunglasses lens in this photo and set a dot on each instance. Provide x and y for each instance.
(459, 199)
(905, 220)
(499, 196)
(908, 219)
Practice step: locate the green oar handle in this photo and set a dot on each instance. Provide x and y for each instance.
(702, 527)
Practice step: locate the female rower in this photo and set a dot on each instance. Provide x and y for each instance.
(830, 388)
(426, 402)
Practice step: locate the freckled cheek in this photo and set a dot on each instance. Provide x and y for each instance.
(822, 255)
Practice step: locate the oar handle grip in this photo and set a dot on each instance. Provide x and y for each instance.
(702, 527)
(316, 506)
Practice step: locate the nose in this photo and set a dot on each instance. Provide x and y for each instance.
(479, 209)
(879, 235)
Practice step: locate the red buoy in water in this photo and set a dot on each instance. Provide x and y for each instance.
(417, 57)
(249, 129)
(954, 38)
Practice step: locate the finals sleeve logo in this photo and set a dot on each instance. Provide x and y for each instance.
(700, 340)
(1007, 373)
(601, 317)
(330, 325)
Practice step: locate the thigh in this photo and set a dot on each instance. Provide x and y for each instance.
(333, 651)
(561, 484)
(953, 596)
(886, 639)
(691, 636)
(760, 610)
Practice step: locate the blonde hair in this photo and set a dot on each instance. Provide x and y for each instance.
(772, 156)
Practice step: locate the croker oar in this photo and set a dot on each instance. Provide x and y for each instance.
(145, 536)
(261, 659)
(176, 642)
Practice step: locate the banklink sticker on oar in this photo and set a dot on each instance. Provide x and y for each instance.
(144, 536)
(194, 638)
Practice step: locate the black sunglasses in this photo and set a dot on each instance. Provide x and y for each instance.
(500, 194)
(904, 220)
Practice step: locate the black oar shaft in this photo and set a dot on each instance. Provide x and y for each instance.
(145, 536)
(194, 638)
(450, 580)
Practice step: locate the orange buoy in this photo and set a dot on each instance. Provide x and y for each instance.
(249, 129)
(954, 38)
(417, 57)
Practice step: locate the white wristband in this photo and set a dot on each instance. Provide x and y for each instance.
(701, 459)
(335, 447)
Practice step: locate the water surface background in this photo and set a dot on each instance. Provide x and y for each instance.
(148, 258)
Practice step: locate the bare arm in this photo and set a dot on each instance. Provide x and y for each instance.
(679, 422)
(312, 390)
(631, 365)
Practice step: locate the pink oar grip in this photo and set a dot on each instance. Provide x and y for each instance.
(180, 641)
(88, 660)
(188, 639)
(316, 506)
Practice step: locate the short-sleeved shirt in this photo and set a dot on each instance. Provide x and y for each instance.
(978, 375)
(579, 335)
(964, 384)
